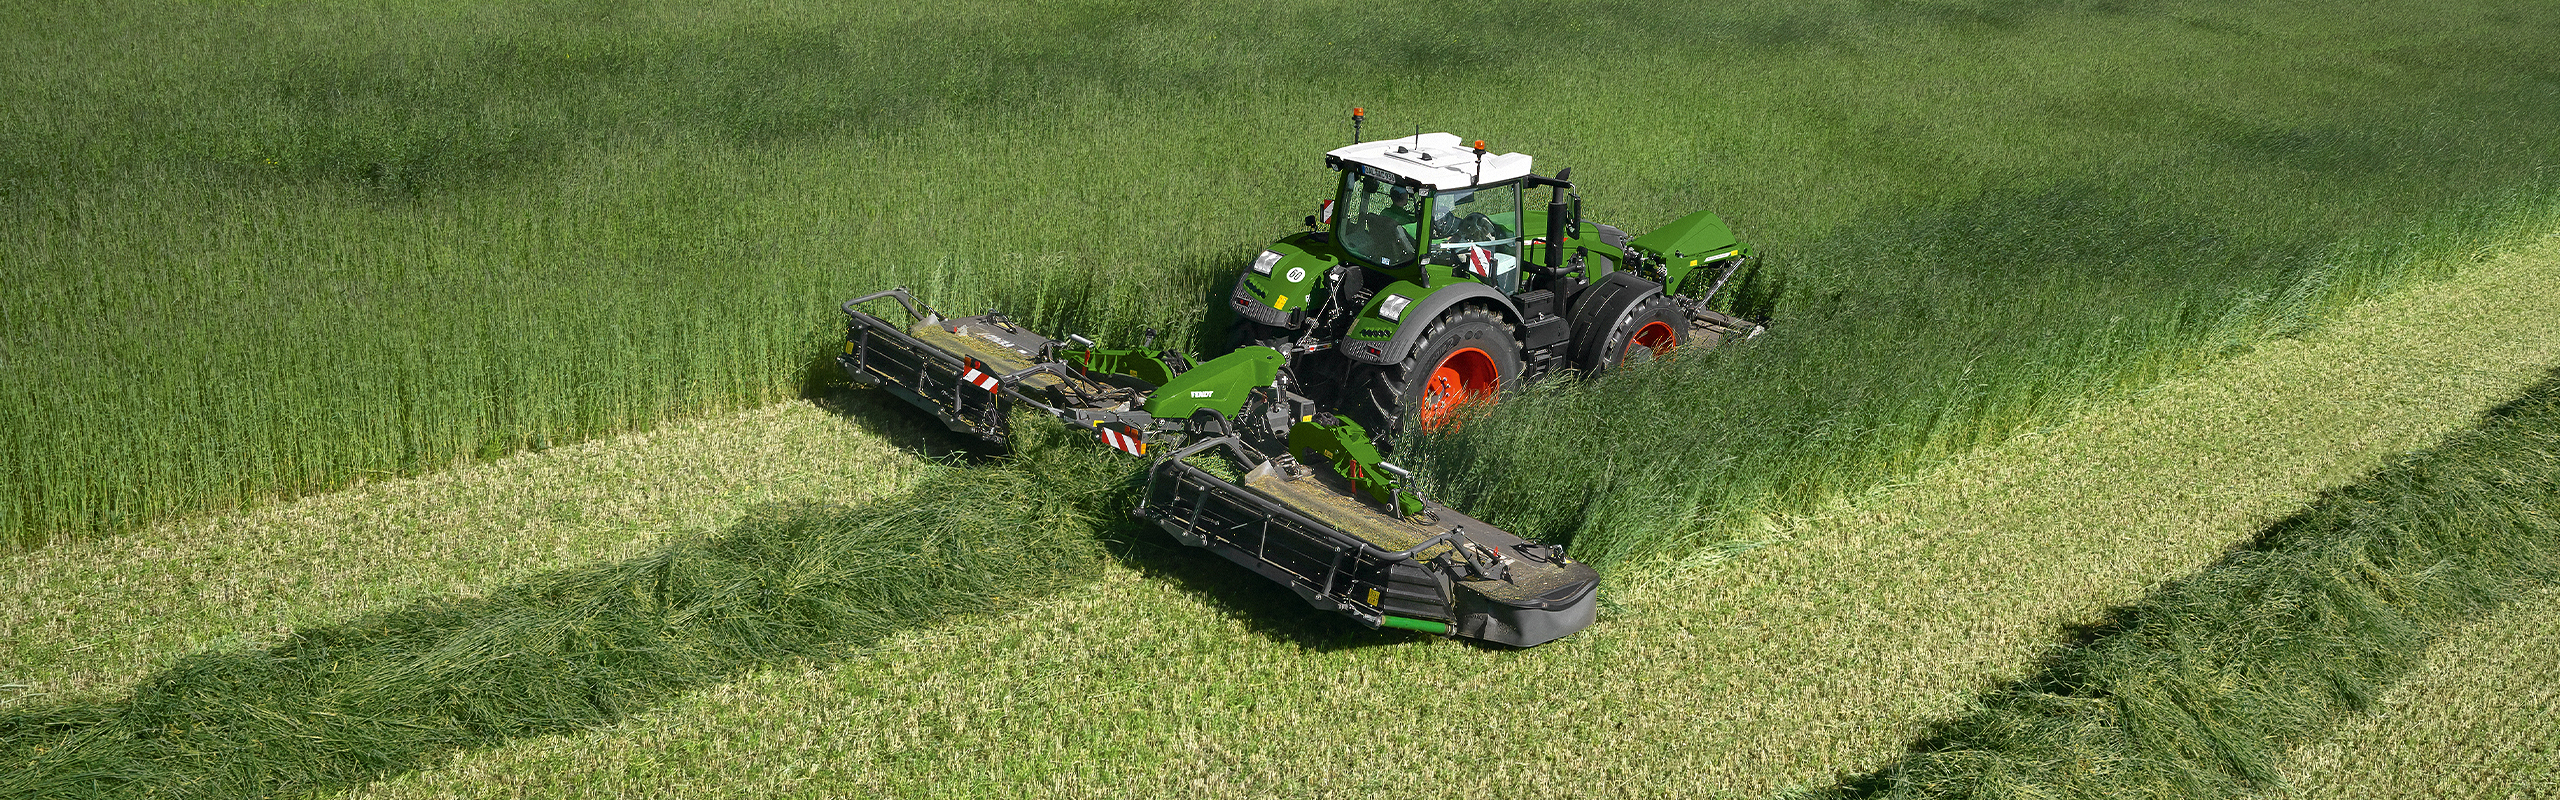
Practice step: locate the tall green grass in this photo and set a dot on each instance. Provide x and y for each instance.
(1960, 324)
(300, 244)
(341, 704)
(2200, 689)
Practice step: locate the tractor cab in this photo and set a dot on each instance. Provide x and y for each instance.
(1427, 208)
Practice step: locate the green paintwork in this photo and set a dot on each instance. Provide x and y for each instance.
(1145, 365)
(1371, 327)
(1219, 384)
(1301, 252)
(1694, 236)
(1691, 242)
(1410, 624)
(1345, 446)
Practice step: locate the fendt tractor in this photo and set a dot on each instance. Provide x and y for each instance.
(1426, 284)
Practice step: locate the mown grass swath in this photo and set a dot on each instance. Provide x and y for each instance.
(346, 703)
(2200, 689)
(298, 246)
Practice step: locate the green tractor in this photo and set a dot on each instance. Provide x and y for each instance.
(1438, 289)
(1428, 282)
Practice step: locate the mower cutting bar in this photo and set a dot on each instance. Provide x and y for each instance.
(1330, 570)
(967, 396)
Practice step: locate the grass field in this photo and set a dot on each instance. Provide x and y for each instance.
(1766, 678)
(2473, 721)
(324, 241)
(312, 246)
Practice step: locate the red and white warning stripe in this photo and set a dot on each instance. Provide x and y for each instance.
(978, 376)
(1123, 439)
(1480, 260)
(1324, 213)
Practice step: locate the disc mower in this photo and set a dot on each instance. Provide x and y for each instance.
(1424, 285)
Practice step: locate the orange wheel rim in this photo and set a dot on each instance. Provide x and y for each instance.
(1656, 337)
(1466, 376)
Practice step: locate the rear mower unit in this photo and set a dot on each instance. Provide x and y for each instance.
(1437, 289)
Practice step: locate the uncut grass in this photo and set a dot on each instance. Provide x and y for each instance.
(310, 243)
(2473, 720)
(2201, 689)
(338, 704)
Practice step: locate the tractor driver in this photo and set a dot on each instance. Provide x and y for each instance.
(1382, 228)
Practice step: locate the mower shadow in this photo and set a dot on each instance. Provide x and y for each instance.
(1267, 609)
(884, 415)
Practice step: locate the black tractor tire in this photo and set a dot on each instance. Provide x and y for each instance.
(1653, 327)
(1390, 397)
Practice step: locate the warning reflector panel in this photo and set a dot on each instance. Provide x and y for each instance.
(1123, 438)
(977, 374)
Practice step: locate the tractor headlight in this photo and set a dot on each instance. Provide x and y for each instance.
(1392, 308)
(1262, 264)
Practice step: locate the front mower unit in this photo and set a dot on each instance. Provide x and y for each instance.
(1326, 516)
(969, 371)
(1341, 549)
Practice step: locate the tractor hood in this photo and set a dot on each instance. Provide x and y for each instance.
(1295, 266)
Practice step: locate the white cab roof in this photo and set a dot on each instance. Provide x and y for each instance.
(1438, 160)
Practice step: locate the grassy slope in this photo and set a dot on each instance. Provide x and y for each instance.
(2474, 721)
(91, 616)
(381, 237)
(1822, 653)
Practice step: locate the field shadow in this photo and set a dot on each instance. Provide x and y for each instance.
(885, 416)
(1267, 609)
(335, 706)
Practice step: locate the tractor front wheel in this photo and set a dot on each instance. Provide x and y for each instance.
(1464, 358)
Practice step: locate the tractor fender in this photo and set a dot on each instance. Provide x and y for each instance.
(1419, 316)
(1597, 310)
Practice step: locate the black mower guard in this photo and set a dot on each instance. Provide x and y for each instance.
(973, 369)
(1453, 575)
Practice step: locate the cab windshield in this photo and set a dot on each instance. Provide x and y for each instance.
(1478, 231)
(1378, 219)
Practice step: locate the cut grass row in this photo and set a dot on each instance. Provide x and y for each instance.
(1822, 653)
(332, 705)
(89, 617)
(308, 243)
(2474, 720)
(2201, 688)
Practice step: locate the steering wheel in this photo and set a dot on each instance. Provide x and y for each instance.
(1474, 227)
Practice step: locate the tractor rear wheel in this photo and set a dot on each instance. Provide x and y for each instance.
(1652, 328)
(1465, 357)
